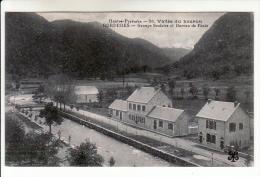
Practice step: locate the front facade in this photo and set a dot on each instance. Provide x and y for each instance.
(223, 124)
(151, 109)
(86, 94)
(118, 110)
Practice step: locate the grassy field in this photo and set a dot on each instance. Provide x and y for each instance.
(192, 106)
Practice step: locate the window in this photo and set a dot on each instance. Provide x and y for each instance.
(232, 127)
(211, 124)
(213, 139)
(139, 107)
(117, 112)
(134, 106)
(240, 126)
(160, 123)
(143, 108)
(129, 116)
(170, 126)
(130, 105)
(208, 138)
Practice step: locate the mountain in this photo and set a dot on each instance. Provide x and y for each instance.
(175, 53)
(37, 47)
(225, 50)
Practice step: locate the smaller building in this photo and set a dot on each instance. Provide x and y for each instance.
(86, 94)
(118, 109)
(223, 124)
(170, 121)
(29, 86)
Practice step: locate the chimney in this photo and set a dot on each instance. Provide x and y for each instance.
(235, 103)
(209, 100)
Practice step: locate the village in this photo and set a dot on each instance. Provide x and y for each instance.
(81, 91)
(147, 113)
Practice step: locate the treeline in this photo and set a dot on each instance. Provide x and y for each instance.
(225, 50)
(38, 48)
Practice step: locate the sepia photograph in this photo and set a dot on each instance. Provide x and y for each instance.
(129, 89)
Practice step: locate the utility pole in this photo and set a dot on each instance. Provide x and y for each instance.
(212, 159)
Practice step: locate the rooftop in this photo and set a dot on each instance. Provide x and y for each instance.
(218, 110)
(86, 90)
(119, 105)
(165, 113)
(143, 94)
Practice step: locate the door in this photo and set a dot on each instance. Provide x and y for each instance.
(154, 124)
(120, 115)
(222, 144)
(200, 138)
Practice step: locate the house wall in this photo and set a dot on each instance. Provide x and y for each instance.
(113, 114)
(181, 125)
(164, 129)
(219, 132)
(84, 98)
(222, 130)
(160, 99)
(239, 137)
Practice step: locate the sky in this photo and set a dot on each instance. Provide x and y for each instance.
(179, 37)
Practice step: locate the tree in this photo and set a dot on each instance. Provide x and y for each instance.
(41, 149)
(206, 91)
(163, 88)
(217, 91)
(100, 97)
(14, 140)
(61, 88)
(39, 93)
(194, 91)
(247, 94)
(182, 92)
(31, 148)
(112, 161)
(85, 155)
(231, 94)
(50, 113)
(172, 85)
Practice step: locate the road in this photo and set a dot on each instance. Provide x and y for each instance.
(179, 142)
(123, 154)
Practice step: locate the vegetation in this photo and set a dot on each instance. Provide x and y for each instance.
(112, 161)
(85, 155)
(29, 149)
(231, 94)
(194, 91)
(206, 91)
(61, 88)
(51, 116)
(224, 51)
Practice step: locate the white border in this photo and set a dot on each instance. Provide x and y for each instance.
(127, 5)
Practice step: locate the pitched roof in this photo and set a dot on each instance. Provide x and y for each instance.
(143, 94)
(218, 110)
(86, 90)
(165, 113)
(119, 105)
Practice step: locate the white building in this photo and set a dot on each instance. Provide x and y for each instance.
(223, 124)
(150, 108)
(86, 94)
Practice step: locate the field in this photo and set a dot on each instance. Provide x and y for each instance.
(192, 106)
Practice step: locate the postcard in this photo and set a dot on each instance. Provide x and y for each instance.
(129, 87)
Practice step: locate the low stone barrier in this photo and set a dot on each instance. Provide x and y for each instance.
(132, 142)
